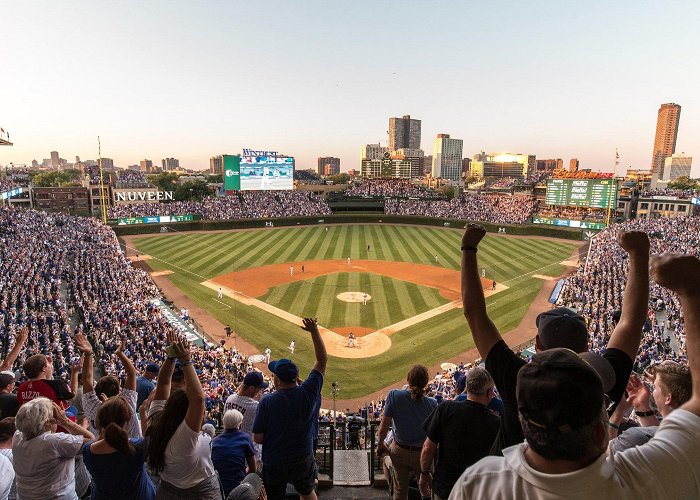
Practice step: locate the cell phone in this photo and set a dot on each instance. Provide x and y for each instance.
(171, 351)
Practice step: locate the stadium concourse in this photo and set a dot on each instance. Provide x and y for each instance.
(69, 294)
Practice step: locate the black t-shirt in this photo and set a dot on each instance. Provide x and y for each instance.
(8, 405)
(503, 365)
(465, 431)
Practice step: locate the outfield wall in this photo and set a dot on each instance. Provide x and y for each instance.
(525, 229)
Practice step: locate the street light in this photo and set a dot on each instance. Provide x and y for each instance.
(335, 391)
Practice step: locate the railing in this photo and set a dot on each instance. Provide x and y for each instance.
(346, 436)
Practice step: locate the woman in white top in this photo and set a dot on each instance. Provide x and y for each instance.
(177, 450)
(43, 459)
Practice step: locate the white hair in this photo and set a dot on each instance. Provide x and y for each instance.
(32, 417)
(209, 429)
(233, 419)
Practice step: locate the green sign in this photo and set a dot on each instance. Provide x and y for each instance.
(232, 172)
(580, 224)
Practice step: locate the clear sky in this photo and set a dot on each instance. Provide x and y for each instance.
(192, 79)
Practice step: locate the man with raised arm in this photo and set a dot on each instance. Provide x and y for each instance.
(286, 421)
(9, 361)
(559, 327)
(562, 409)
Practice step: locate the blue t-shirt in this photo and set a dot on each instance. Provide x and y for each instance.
(408, 415)
(287, 418)
(144, 387)
(229, 451)
(117, 476)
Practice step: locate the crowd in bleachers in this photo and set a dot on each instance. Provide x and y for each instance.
(595, 290)
(68, 293)
(387, 188)
(93, 171)
(307, 177)
(499, 209)
(131, 179)
(242, 205)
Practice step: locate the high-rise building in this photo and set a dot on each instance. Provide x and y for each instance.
(55, 159)
(372, 152)
(549, 165)
(415, 156)
(677, 165)
(216, 165)
(498, 165)
(466, 164)
(170, 163)
(447, 157)
(573, 165)
(328, 161)
(666, 135)
(146, 166)
(404, 133)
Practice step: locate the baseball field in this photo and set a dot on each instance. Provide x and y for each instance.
(396, 288)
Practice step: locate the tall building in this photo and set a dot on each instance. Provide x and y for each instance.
(466, 164)
(216, 165)
(573, 165)
(415, 156)
(447, 157)
(498, 165)
(404, 133)
(549, 165)
(324, 162)
(666, 135)
(146, 166)
(55, 159)
(170, 163)
(677, 165)
(372, 152)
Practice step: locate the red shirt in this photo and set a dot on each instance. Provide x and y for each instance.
(32, 389)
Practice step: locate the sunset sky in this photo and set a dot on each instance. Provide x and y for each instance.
(190, 80)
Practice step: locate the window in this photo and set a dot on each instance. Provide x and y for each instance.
(681, 208)
(645, 206)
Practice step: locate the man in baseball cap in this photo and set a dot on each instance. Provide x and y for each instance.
(245, 400)
(287, 420)
(556, 328)
(8, 400)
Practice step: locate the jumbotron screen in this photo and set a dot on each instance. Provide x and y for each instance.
(594, 193)
(257, 173)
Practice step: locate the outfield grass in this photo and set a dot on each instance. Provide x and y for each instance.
(195, 257)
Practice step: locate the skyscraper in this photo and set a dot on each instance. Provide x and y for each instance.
(216, 165)
(404, 133)
(447, 157)
(666, 135)
(677, 165)
(170, 163)
(573, 165)
(324, 161)
(146, 166)
(372, 152)
(55, 160)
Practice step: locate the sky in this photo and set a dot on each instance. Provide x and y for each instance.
(193, 79)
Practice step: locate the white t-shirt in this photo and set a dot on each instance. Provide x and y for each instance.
(91, 403)
(666, 467)
(187, 456)
(7, 477)
(7, 453)
(44, 466)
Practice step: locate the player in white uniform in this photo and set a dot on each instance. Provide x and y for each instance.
(291, 347)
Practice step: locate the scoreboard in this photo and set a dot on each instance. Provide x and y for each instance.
(593, 193)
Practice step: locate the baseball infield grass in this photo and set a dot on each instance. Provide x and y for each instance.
(196, 257)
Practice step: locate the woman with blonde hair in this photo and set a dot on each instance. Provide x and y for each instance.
(407, 408)
(44, 459)
(115, 462)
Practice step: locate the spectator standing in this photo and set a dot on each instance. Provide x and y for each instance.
(460, 434)
(286, 421)
(7, 477)
(563, 415)
(177, 449)
(8, 401)
(244, 400)
(7, 430)
(558, 327)
(145, 384)
(231, 451)
(44, 459)
(408, 409)
(115, 462)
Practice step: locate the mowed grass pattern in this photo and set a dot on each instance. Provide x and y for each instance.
(391, 300)
(195, 257)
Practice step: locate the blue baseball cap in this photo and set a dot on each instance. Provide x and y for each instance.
(153, 368)
(255, 379)
(285, 370)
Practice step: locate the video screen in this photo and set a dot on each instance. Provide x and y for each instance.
(266, 173)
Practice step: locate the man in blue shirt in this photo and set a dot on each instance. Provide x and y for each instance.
(145, 384)
(286, 420)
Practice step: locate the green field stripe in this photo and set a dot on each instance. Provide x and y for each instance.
(337, 236)
(221, 255)
(345, 248)
(377, 238)
(326, 300)
(400, 249)
(446, 246)
(311, 244)
(404, 304)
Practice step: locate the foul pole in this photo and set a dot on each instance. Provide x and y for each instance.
(102, 183)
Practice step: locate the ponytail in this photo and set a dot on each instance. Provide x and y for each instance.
(417, 381)
(118, 438)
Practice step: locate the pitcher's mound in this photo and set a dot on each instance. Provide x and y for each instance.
(353, 296)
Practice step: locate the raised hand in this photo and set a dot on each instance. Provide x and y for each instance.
(120, 349)
(473, 235)
(634, 242)
(638, 393)
(680, 273)
(82, 343)
(181, 348)
(310, 325)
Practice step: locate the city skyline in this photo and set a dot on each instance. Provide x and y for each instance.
(322, 84)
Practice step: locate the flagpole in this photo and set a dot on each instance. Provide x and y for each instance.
(102, 183)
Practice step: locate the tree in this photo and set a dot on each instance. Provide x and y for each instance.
(447, 192)
(194, 190)
(57, 178)
(165, 181)
(684, 182)
(342, 178)
(215, 179)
